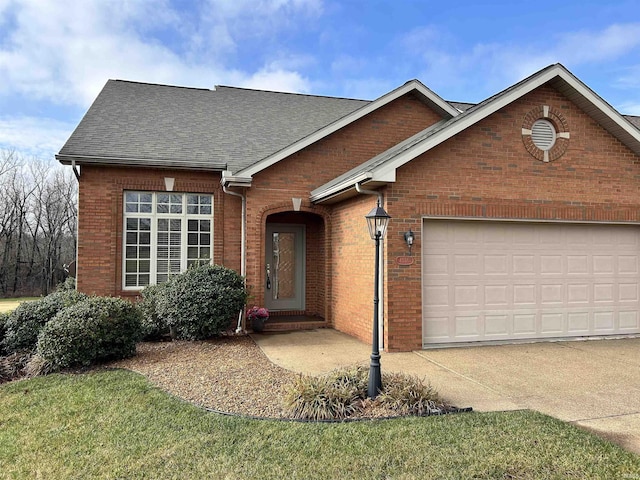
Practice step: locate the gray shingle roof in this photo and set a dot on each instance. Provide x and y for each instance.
(189, 127)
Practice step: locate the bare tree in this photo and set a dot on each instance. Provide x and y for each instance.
(37, 224)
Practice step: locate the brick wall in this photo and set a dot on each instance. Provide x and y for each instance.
(487, 172)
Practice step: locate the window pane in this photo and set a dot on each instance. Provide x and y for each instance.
(205, 199)
(132, 266)
(205, 225)
(131, 197)
(145, 224)
(131, 280)
(145, 238)
(143, 280)
(145, 208)
(132, 238)
(132, 252)
(205, 239)
(146, 197)
(163, 198)
(192, 225)
(144, 252)
(192, 209)
(192, 252)
(163, 224)
(132, 207)
(192, 199)
(205, 210)
(144, 266)
(132, 223)
(192, 239)
(204, 253)
(162, 208)
(176, 208)
(176, 199)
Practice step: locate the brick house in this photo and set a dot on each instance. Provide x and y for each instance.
(524, 208)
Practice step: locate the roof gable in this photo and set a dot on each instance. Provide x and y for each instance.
(382, 168)
(414, 86)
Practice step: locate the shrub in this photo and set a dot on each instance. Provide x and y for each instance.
(202, 302)
(26, 321)
(68, 284)
(4, 317)
(96, 329)
(13, 366)
(153, 326)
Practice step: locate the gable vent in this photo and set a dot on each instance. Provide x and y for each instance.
(543, 134)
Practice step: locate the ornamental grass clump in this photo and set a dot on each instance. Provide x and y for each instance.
(408, 395)
(343, 393)
(323, 398)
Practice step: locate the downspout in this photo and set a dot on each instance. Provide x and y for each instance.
(364, 191)
(243, 246)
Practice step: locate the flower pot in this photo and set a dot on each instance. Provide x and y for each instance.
(257, 324)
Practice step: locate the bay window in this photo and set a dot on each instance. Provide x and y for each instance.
(164, 234)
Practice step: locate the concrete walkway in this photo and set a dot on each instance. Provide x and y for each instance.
(593, 384)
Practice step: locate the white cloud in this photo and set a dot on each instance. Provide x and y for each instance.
(65, 53)
(278, 80)
(33, 136)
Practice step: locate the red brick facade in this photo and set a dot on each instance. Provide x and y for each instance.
(486, 171)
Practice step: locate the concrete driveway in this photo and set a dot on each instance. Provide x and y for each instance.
(593, 384)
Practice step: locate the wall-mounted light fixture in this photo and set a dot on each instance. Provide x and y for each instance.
(409, 237)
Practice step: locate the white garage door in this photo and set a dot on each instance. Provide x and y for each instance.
(488, 281)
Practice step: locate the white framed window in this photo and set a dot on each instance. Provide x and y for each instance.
(164, 234)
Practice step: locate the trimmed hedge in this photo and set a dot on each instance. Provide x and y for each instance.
(96, 329)
(25, 322)
(202, 302)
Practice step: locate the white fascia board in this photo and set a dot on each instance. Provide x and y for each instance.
(322, 194)
(140, 162)
(412, 85)
(600, 104)
(229, 180)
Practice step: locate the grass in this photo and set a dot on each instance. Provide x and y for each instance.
(115, 424)
(9, 304)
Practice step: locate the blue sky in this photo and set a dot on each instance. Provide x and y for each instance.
(56, 55)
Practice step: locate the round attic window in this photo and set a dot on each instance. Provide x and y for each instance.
(543, 134)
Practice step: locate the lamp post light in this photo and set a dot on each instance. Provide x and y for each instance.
(377, 220)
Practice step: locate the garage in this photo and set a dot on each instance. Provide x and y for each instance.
(487, 281)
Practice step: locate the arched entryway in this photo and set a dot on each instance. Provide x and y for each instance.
(295, 266)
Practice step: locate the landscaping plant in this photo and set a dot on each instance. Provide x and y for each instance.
(202, 302)
(25, 323)
(154, 326)
(342, 393)
(96, 329)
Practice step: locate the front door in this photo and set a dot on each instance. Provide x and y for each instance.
(285, 267)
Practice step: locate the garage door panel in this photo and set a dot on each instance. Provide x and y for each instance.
(501, 280)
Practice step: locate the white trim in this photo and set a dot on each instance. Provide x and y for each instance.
(527, 220)
(413, 85)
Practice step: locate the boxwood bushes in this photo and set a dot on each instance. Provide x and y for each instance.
(94, 330)
(69, 329)
(201, 302)
(24, 324)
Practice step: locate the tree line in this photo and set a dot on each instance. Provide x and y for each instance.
(38, 217)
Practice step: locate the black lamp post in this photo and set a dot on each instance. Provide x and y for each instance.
(377, 220)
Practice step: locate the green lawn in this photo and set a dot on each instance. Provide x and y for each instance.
(8, 304)
(115, 424)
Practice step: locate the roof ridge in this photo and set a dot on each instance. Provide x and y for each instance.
(291, 93)
(160, 84)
